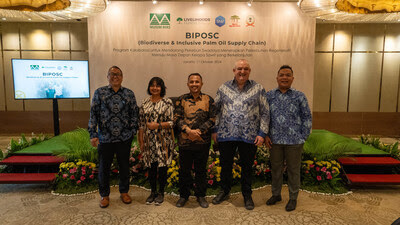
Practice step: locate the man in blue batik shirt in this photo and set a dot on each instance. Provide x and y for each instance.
(113, 123)
(241, 124)
(289, 128)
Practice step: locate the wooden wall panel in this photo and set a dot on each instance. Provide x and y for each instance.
(357, 123)
(345, 123)
(41, 121)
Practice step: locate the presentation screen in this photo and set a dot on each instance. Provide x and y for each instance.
(49, 79)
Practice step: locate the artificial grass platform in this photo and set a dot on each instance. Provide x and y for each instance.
(324, 144)
(319, 140)
(57, 143)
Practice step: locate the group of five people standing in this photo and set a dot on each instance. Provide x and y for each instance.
(242, 117)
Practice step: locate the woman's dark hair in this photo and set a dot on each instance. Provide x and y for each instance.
(159, 82)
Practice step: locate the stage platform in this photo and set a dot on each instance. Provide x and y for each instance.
(58, 144)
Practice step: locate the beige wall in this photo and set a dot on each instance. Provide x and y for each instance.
(40, 41)
(357, 68)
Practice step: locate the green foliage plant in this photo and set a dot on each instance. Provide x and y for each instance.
(392, 149)
(23, 142)
(79, 145)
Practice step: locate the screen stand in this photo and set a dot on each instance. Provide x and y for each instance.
(56, 118)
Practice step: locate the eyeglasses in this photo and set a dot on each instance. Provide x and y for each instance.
(115, 75)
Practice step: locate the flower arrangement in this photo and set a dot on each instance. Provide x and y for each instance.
(236, 172)
(75, 174)
(173, 174)
(135, 162)
(261, 162)
(320, 172)
(213, 172)
(136, 166)
(260, 168)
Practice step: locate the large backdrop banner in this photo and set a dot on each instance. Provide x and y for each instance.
(173, 39)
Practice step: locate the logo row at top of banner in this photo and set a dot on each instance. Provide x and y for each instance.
(163, 21)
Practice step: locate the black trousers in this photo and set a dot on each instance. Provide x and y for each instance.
(106, 153)
(246, 153)
(154, 170)
(195, 156)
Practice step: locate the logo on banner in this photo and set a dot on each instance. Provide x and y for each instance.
(179, 20)
(235, 21)
(160, 20)
(193, 20)
(220, 21)
(34, 67)
(250, 21)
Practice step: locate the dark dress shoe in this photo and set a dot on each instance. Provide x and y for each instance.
(181, 202)
(104, 202)
(274, 199)
(202, 202)
(248, 202)
(291, 205)
(222, 196)
(159, 199)
(151, 198)
(126, 198)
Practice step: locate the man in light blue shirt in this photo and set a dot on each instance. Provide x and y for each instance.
(241, 124)
(290, 126)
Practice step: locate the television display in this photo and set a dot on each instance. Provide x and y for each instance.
(49, 79)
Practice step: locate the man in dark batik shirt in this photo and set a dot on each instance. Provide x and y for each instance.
(112, 125)
(194, 118)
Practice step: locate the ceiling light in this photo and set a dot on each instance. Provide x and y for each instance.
(76, 9)
(327, 9)
(249, 3)
(201, 2)
(154, 2)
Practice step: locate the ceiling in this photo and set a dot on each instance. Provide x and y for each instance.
(212, 0)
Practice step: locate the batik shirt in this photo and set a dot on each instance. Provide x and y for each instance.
(159, 143)
(290, 117)
(194, 113)
(113, 115)
(242, 115)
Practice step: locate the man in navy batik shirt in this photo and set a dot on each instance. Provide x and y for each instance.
(289, 128)
(113, 123)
